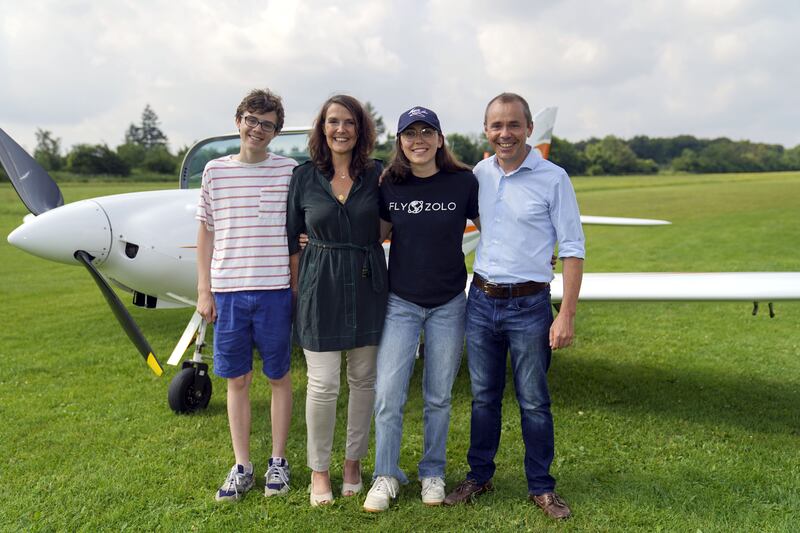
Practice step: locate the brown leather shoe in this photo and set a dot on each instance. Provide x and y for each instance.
(552, 505)
(466, 491)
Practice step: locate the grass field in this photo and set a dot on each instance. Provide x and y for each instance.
(669, 417)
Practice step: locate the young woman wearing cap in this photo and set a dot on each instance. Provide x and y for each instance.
(426, 198)
(341, 283)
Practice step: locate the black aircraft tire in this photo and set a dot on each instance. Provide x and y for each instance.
(189, 392)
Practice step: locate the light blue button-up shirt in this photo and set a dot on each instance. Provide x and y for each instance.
(523, 215)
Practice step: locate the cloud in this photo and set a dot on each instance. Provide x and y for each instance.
(85, 70)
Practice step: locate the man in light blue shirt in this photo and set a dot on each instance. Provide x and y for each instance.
(527, 206)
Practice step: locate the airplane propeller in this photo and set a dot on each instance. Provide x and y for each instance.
(123, 316)
(40, 193)
(33, 184)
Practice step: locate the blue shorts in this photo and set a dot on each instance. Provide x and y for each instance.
(253, 318)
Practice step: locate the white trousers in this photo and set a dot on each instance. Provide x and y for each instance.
(323, 392)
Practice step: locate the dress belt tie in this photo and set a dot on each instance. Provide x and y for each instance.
(372, 254)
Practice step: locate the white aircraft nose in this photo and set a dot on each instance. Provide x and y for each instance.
(57, 234)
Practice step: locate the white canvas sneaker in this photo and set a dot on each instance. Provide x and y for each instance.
(432, 490)
(384, 490)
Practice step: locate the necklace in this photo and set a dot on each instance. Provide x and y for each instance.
(341, 198)
(343, 176)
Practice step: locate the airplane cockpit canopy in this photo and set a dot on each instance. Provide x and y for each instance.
(290, 143)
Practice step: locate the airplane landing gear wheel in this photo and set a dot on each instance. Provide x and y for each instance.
(190, 389)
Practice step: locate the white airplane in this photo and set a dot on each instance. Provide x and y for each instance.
(144, 244)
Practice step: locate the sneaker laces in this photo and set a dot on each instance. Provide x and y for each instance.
(231, 481)
(432, 483)
(383, 485)
(277, 474)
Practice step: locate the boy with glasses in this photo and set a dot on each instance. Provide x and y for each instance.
(243, 283)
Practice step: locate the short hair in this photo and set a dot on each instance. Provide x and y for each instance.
(399, 169)
(262, 101)
(318, 148)
(508, 98)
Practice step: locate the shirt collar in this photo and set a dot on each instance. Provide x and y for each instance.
(530, 162)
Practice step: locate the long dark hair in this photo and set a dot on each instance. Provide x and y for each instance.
(365, 141)
(399, 169)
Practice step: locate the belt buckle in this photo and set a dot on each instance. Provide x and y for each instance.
(492, 285)
(495, 290)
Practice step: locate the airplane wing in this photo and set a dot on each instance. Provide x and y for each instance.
(622, 221)
(681, 286)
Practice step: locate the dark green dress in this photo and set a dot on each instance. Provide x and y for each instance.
(342, 280)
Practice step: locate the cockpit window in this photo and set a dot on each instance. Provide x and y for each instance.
(290, 143)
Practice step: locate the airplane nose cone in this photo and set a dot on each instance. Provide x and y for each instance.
(57, 234)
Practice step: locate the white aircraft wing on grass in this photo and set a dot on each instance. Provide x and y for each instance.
(685, 286)
(682, 286)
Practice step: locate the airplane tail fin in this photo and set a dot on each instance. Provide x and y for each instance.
(543, 123)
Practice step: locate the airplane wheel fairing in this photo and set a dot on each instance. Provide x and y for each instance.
(189, 391)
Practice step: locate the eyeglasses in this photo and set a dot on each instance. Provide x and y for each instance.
(425, 133)
(266, 125)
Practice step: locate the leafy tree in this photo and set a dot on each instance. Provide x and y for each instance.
(148, 134)
(132, 154)
(181, 154)
(383, 151)
(613, 156)
(664, 149)
(467, 148)
(158, 159)
(566, 155)
(48, 150)
(96, 159)
(790, 160)
(686, 162)
(380, 127)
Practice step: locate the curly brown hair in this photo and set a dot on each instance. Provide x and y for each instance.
(365, 141)
(262, 101)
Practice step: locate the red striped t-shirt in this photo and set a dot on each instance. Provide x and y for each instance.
(244, 204)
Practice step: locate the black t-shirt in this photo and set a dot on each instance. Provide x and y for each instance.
(428, 216)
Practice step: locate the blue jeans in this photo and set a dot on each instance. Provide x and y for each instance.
(444, 344)
(493, 327)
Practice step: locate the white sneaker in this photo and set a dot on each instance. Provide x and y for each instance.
(384, 490)
(432, 490)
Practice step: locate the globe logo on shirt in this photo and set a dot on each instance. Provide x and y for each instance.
(415, 207)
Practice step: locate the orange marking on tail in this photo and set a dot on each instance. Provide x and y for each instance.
(544, 148)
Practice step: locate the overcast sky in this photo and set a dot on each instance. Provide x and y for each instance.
(86, 69)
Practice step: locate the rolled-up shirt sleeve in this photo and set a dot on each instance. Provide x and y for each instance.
(566, 218)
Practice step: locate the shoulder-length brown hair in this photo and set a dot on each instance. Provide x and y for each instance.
(365, 141)
(399, 169)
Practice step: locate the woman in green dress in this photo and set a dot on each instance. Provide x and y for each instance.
(340, 283)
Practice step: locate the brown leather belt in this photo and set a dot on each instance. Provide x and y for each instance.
(507, 290)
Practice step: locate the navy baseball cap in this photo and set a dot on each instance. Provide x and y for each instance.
(418, 114)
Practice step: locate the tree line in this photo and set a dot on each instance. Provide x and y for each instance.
(649, 155)
(145, 149)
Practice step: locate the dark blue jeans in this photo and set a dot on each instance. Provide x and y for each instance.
(494, 327)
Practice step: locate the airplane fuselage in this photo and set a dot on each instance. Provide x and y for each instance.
(144, 242)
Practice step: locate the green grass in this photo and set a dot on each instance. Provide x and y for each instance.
(669, 416)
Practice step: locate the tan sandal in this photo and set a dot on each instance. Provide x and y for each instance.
(319, 499)
(351, 489)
